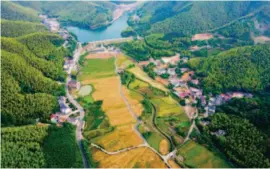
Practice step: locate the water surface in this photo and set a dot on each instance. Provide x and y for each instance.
(111, 32)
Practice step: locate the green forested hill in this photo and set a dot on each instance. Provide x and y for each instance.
(83, 14)
(49, 69)
(244, 68)
(193, 17)
(32, 78)
(19, 28)
(45, 146)
(31, 65)
(13, 11)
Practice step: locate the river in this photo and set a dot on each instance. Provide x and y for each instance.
(111, 32)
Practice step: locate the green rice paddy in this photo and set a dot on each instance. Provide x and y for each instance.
(197, 156)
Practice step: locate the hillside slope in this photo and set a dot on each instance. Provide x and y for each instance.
(84, 14)
(244, 68)
(19, 28)
(13, 11)
(31, 65)
(189, 18)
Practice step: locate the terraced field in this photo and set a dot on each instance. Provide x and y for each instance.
(197, 156)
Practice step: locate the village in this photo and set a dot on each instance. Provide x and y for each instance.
(185, 85)
(182, 81)
(67, 111)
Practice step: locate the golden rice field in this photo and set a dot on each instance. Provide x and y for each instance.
(173, 164)
(136, 158)
(122, 137)
(100, 74)
(107, 89)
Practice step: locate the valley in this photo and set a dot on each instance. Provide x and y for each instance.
(135, 84)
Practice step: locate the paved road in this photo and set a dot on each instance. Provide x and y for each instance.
(80, 123)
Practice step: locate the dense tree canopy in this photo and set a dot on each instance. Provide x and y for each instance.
(31, 65)
(19, 28)
(42, 146)
(244, 68)
(13, 11)
(84, 14)
(242, 143)
(187, 18)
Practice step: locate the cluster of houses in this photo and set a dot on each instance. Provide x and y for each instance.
(63, 115)
(73, 84)
(50, 23)
(68, 64)
(210, 108)
(191, 95)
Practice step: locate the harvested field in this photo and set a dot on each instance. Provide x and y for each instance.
(137, 158)
(121, 137)
(202, 36)
(100, 55)
(144, 77)
(164, 147)
(197, 156)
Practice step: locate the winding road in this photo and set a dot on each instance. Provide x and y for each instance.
(79, 136)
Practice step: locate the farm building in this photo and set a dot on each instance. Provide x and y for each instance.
(73, 84)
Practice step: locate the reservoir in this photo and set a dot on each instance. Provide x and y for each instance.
(111, 32)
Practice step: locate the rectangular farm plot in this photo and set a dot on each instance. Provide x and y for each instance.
(97, 68)
(137, 158)
(100, 55)
(122, 137)
(107, 89)
(197, 156)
